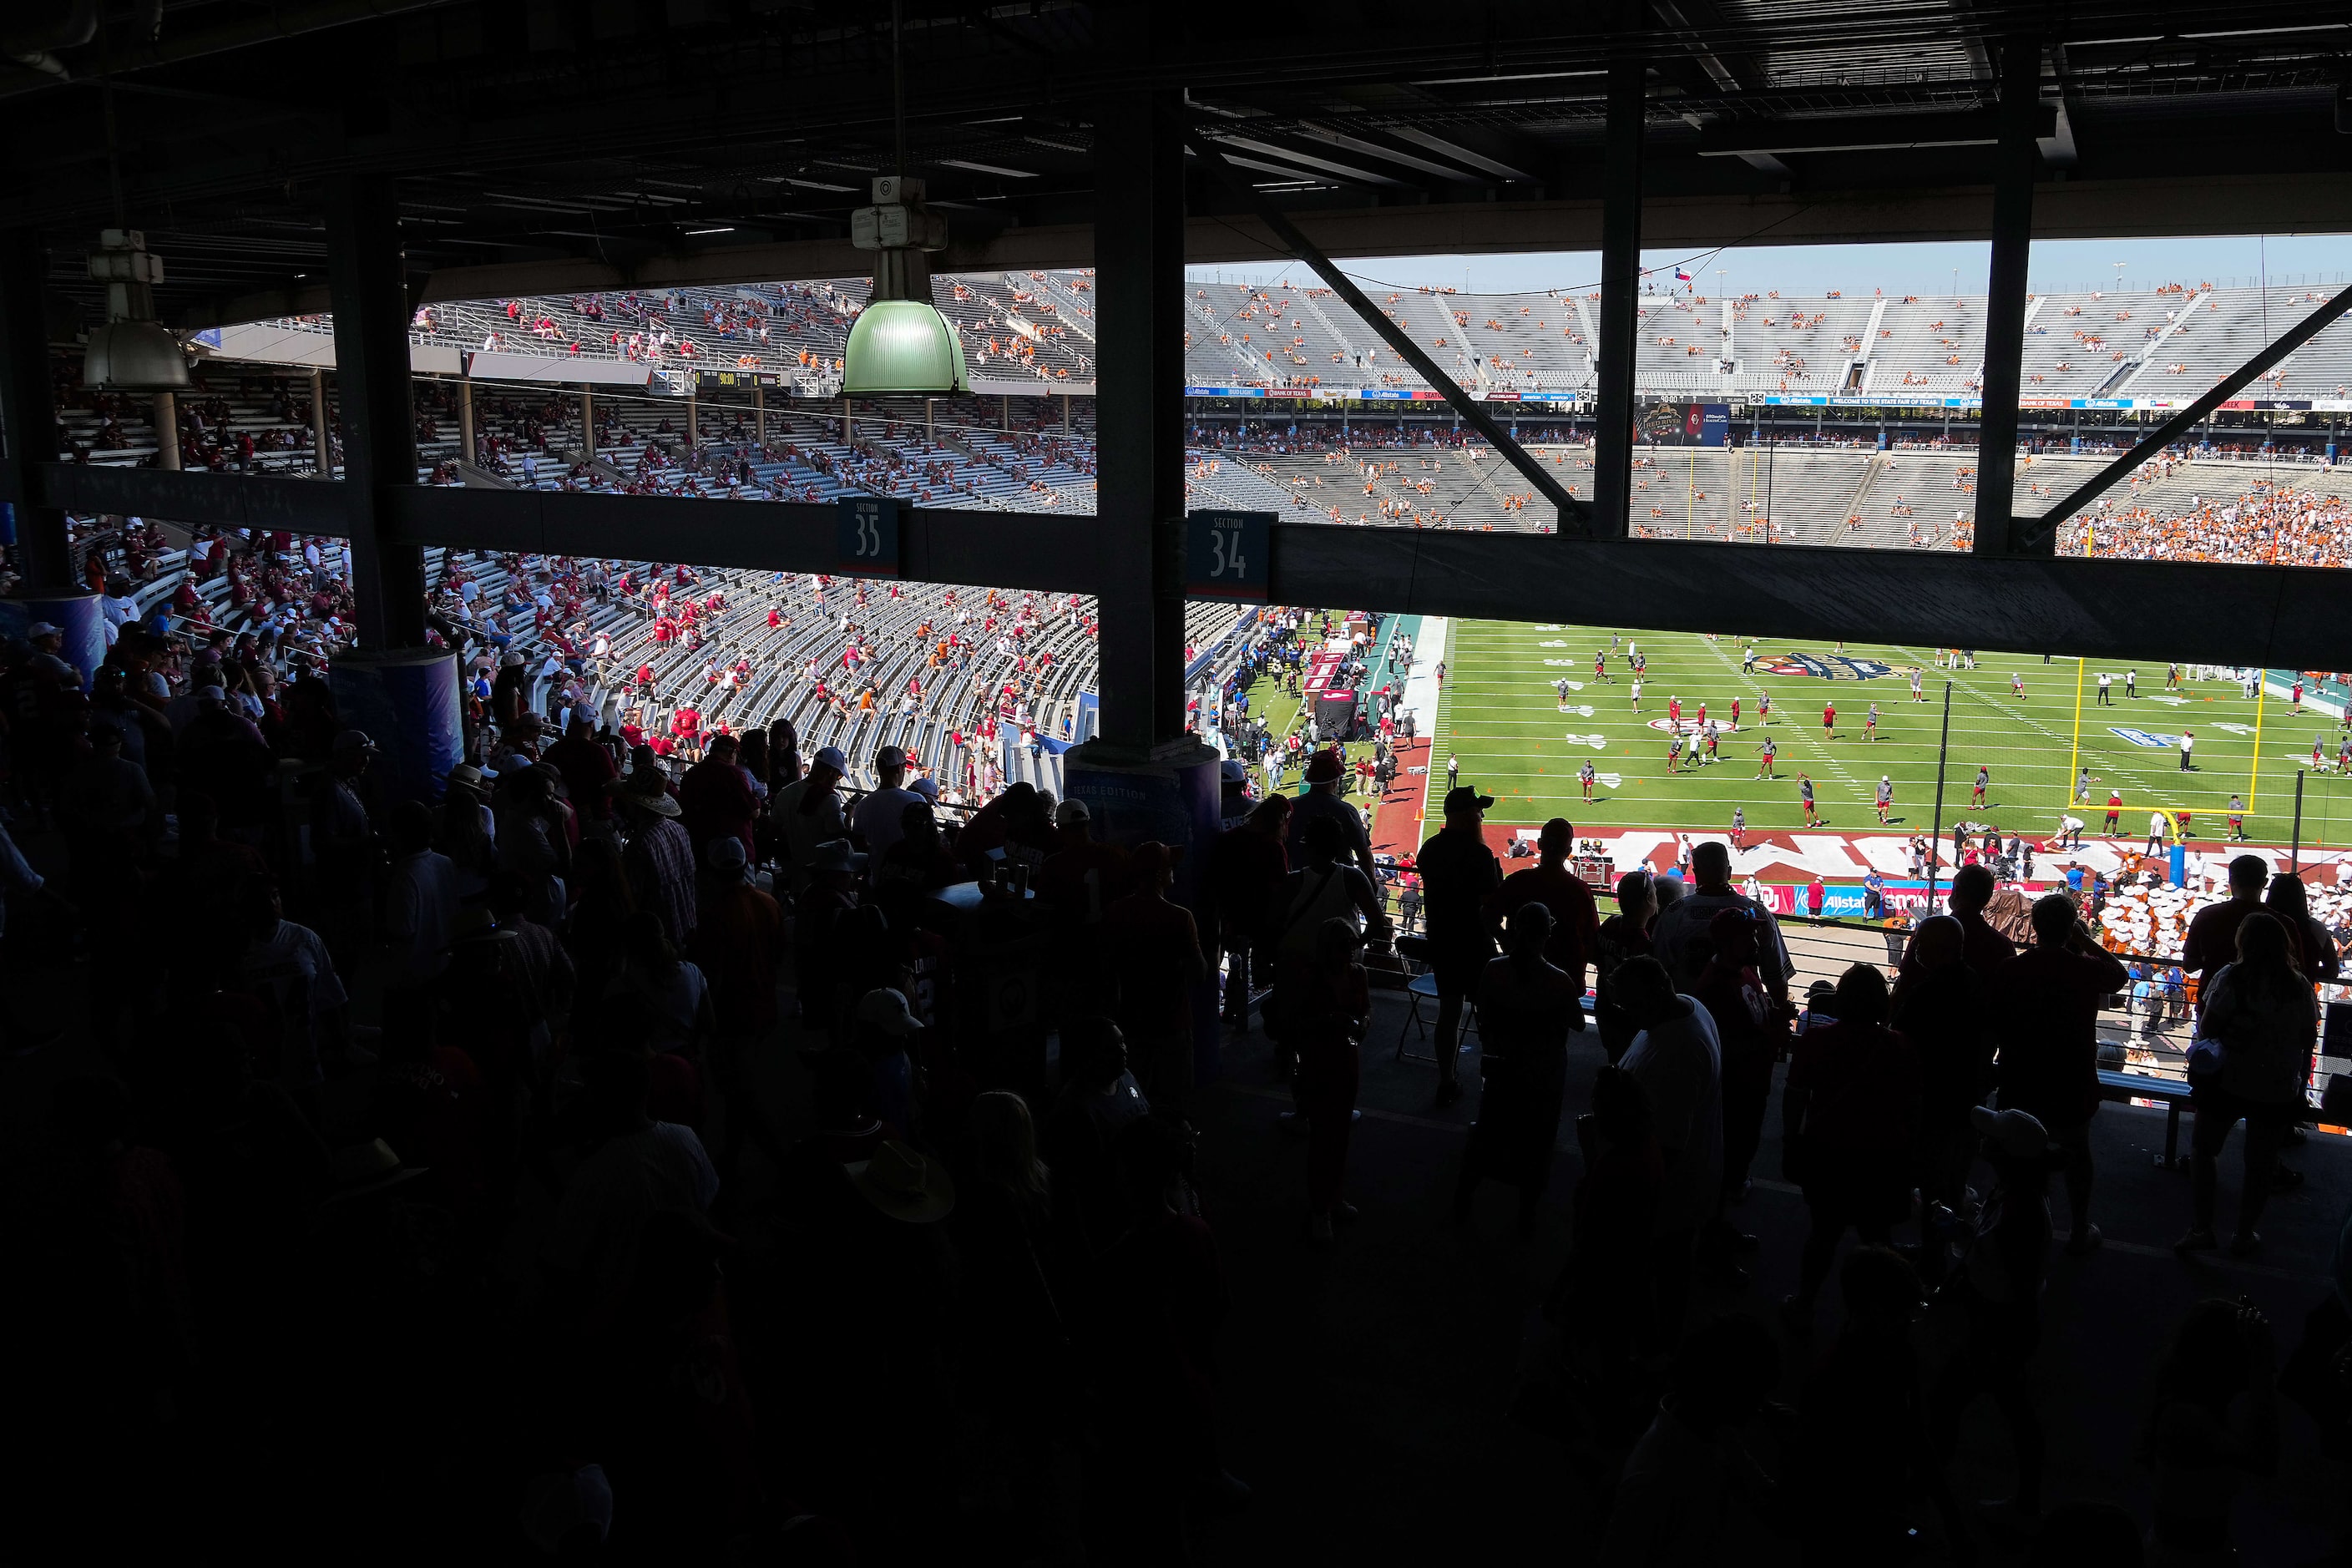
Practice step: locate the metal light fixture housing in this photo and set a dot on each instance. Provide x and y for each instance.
(900, 342)
(133, 352)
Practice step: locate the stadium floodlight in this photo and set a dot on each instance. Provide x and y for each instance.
(900, 342)
(133, 352)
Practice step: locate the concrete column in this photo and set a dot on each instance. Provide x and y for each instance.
(760, 414)
(1143, 776)
(27, 403)
(1065, 414)
(1139, 267)
(322, 453)
(167, 431)
(693, 434)
(931, 421)
(466, 421)
(848, 426)
(367, 287)
(588, 420)
(1005, 402)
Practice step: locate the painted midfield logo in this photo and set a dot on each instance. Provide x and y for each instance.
(1832, 666)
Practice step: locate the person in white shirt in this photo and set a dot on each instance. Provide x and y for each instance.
(645, 1169)
(420, 898)
(878, 818)
(2187, 744)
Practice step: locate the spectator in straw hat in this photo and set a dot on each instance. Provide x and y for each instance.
(660, 857)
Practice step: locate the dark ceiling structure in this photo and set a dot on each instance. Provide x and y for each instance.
(583, 144)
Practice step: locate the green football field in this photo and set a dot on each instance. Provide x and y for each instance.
(1501, 716)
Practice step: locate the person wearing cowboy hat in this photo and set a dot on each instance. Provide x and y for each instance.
(659, 860)
(903, 1184)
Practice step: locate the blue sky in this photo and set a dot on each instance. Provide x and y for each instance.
(1858, 269)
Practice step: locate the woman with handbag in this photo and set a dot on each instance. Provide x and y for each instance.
(2251, 1060)
(1850, 1114)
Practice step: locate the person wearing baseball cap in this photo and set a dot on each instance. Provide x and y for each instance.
(810, 811)
(1322, 801)
(48, 637)
(1458, 875)
(715, 799)
(1234, 802)
(879, 816)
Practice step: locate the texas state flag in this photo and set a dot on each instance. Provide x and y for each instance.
(1681, 276)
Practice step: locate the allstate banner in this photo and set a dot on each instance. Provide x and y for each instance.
(1842, 901)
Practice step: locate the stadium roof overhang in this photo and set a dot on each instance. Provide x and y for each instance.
(562, 146)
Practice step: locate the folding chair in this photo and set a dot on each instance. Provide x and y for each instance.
(1414, 950)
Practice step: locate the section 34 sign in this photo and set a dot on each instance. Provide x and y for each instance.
(1225, 554)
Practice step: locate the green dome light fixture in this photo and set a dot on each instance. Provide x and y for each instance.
(900, 342)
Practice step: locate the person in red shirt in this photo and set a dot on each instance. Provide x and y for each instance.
(1575, 938)
(2114, 810)
(2213, 939)
(1829, 718)
(1984, 949)
(1734, 712)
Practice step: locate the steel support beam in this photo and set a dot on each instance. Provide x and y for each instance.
(2149, 611)
(1571, 512)
(1621, 281)
(1139, 414)
(365, 274)
(2040, 533)
(2016, 161)
(44, 556)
